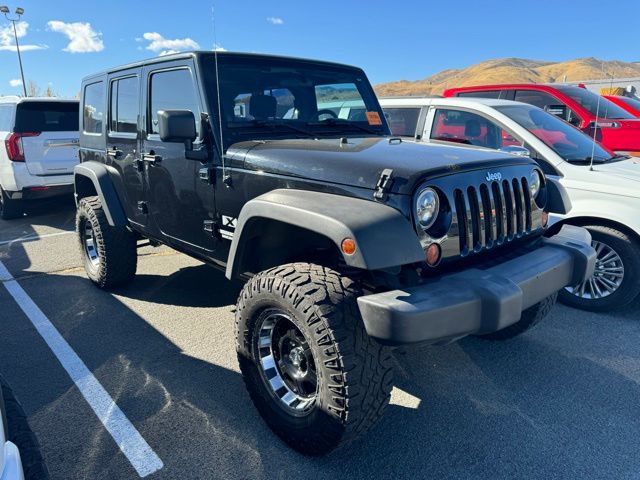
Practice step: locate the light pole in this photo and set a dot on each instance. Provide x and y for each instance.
(19, 11)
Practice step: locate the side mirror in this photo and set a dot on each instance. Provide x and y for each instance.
(557, 110)
(177, 126)
(516, 150)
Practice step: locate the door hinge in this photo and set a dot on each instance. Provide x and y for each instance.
(206, 175)
(384, 183)
(210, 227)
(143, 208)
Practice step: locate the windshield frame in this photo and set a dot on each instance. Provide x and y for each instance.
(280, 128)
(565, 128)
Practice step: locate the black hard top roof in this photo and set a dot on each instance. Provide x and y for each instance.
(201, 53)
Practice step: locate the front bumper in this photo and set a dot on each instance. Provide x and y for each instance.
(479, 300)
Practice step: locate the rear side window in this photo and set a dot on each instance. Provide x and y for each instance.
(124, 105)
(6, 118)
(539, 99)
(47, 117)
(172, 90)
(93, 108)
(484, 94)
(402, 121)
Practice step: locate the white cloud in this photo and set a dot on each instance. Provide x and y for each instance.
(167, 46)
(83, 38)
(275, 20)
(218, 48)
(7, 40)
(15, 82)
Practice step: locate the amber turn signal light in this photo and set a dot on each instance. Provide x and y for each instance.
(348, 246)
(433, 254)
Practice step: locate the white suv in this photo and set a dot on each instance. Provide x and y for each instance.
(604, 192)
(39, 151)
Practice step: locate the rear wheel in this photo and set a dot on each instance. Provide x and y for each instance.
(109, 253)
(616, 281)
(20, 434)
(530, 318)
(314, 374)
(9, 208)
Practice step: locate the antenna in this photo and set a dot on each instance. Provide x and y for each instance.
(225, 178)
(595, 128)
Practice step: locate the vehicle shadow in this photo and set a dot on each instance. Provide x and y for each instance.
(529, 408)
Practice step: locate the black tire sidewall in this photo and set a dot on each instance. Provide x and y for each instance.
(317, 419)
(629, 251)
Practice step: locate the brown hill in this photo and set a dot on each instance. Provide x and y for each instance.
(511, 70)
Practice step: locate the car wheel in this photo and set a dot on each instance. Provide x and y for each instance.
(530, 318)
(616, 281)
(109, 253)
(314, 374)
(20, 433)
(10, 209)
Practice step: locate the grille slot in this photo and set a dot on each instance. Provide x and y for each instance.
(492, 213)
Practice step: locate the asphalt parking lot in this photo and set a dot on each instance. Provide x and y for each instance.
(562, 401)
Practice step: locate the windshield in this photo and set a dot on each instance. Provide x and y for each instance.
(632, 102)
(264, 98)
(596, 104)
(567, 141)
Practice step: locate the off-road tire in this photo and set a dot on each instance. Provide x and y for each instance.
(20, 433)
(354, 372)
(116, 246)
(530, 318)
(10, 209)
(627, 248)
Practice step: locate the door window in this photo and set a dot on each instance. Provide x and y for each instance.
(458, 126)
(172, 90)
(93, 108)
(480, 94)
(402, 121)
(539, 99)
(125, 97)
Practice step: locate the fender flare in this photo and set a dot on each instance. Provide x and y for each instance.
(99, 176)
(384, 237)
(558, 197)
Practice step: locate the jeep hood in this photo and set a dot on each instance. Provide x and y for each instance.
(360, 161)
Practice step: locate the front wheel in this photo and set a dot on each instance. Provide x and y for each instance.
(616, 281)
(314, 374)
(529, 319)
(110, 253)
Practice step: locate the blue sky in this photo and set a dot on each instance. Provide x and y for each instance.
(65, 40)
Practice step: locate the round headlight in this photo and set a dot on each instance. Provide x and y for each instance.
(427, 206)
(535, 182)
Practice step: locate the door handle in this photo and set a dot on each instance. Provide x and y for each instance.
(151, 158)
(114, 153)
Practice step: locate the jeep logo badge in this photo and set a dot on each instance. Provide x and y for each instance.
(494, 176)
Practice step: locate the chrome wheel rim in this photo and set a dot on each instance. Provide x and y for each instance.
(286, 362)
(90, 244)
(607, 278)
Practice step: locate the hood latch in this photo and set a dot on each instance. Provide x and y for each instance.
(384, 184)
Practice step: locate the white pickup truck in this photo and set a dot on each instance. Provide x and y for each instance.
(603, 187)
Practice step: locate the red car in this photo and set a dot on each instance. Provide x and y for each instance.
(631, 105)
(613, 126)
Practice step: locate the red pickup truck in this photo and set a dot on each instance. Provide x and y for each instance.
(613, 126)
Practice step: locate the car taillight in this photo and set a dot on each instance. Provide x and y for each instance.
(15, 152)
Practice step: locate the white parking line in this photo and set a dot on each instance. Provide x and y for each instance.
(35, 237)
(128, 439)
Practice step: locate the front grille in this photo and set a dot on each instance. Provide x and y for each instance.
(492, 214)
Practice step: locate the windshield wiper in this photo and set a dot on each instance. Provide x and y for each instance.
(341, 122)
(273, 124)
(587, 160)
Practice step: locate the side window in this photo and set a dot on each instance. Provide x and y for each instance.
(124, 105)
(6, 118)
(539, 99)
(402, 121)
(467, 128)
(172, 90)
(481, 94)
(93, 108)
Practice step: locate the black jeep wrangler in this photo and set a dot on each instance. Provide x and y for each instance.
(283, 172)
